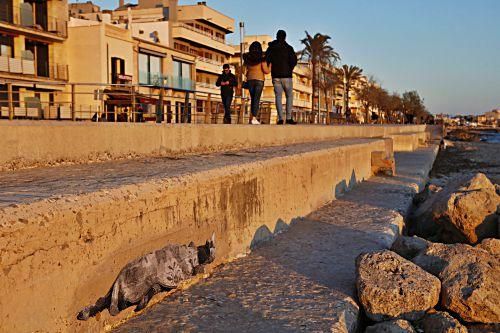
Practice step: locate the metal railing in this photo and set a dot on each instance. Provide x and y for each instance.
(138, 103)
(24, 16)
(202, 32)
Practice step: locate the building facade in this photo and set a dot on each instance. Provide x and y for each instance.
(32, 57)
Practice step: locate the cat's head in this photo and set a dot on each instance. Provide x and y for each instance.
(206, 253)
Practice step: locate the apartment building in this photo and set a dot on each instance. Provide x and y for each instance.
(126, 70)
(302, 82)
(197, 30)
(32, 57)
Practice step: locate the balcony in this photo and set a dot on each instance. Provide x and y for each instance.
(167, 81)
(206, 14)
(22, 20)
(208, 65)
(189, 33)
(27, 67)
(208, 88)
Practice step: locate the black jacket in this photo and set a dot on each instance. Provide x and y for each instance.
(283, 59)
(227, 90)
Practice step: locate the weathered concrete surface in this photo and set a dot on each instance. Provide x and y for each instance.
(67, 231)
(303, 280)
(37, 143)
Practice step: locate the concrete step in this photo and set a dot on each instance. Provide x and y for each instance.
(303, 280)
(67, 231)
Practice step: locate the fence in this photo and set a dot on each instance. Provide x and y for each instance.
(135, 103)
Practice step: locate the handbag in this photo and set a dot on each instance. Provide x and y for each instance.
(244, 85)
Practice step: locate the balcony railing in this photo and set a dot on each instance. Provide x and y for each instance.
(206, 85)
(23, 66)
(166, 81)
(23, 16)
(203, 32)
(210, 61)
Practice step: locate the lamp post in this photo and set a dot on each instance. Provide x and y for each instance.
(242, 49)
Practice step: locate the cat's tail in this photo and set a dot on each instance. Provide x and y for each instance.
(114, 299)
(91, 310)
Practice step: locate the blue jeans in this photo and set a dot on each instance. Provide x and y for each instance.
(255, 88)
(286, 85)
(227, 100)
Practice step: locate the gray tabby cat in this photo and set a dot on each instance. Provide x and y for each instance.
(142, 278)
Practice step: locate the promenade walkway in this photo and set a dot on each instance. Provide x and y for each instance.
(302, 280)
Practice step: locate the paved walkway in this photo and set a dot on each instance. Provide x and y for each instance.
(30, 185)
(303, 280)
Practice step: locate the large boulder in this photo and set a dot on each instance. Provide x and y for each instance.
(437, 256)
(471, 287)
(484, 328)
(409, 247)
(441, 322)
(463, 212)
(491, 245)
(391, 287)
(393, 326)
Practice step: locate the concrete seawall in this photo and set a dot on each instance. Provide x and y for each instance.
(31, 143)
(61, 254)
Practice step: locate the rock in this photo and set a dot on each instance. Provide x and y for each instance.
(483, 328)
(491, 245)
(471, 287)
(463, 212)
(466, 213)
(441, 322)
(409, 247)
(393, 326)
(437, 256)
(391, 287)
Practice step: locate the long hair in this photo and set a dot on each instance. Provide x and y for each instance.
(255, 55)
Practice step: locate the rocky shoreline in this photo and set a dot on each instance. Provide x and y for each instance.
(443, 275)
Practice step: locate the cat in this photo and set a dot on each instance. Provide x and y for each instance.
(144, 277)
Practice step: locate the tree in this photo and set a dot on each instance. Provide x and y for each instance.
(368, 95)
(414, 108)
(328, 81)
(349, 75)
(320, 53)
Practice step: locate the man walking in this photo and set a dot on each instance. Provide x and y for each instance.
(226, 82)
(283, 60)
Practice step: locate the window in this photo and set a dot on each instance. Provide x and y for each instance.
(117, 68)
(149, 69)
(182, 75)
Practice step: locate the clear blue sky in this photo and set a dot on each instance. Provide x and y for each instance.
(447, 50)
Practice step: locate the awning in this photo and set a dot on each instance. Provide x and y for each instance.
(152, 52)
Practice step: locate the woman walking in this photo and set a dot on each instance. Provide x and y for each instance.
(257, 68)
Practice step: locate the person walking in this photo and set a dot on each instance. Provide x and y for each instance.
(257, 68)
(226, 82)
(282, 58)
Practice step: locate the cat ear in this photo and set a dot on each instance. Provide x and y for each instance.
(212, 239)
(191, 244)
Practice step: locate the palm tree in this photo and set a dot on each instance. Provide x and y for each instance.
(349, 74)
(319, 52)
(328, 81)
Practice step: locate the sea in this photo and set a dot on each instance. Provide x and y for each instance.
(490, 137)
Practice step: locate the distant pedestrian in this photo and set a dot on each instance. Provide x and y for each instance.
(257, 68)
(282, 58)
(227, 82)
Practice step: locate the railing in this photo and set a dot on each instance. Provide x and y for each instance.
(24, 16)
(23, 66)
(138, 103)
(165, 81)
(202, 32)
(210, 61)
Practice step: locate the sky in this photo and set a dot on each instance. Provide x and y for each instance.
(447, 50)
